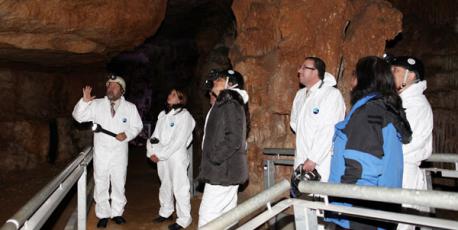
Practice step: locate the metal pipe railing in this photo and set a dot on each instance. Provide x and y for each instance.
(443, 157)
(28, 210)
(353, 211)
(435, 157)
(249, 206)
(427, 198)
(279, 151)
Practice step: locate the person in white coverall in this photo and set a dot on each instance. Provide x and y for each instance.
(174, 134)
(409, 78)
(316, 109)
(121, 117)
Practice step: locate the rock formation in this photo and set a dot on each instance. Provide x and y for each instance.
(48, 52)
(273, 39)
(61, 32)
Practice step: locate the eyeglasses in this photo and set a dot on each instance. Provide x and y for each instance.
(303, 67)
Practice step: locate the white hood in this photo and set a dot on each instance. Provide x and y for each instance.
(242, 93)
(415, 89)
(329, 80)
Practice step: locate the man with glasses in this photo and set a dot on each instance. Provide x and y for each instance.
(316, 109)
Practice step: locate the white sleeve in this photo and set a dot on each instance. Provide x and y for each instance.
(294, 112)
(153, 148)
(84, 111)
(333, 109)
(149, 148)
(184, 126)
(421, 123)
(135, 124)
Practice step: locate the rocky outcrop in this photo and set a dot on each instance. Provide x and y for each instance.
(62, 32)
(48, 51)
(36, 115)
(273, 39)
(24, 144)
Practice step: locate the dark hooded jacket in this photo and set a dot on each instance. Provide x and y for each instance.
(224, 158)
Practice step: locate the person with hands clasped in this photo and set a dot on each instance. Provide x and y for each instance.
(121, 117)
(168, 148)
(316, 109)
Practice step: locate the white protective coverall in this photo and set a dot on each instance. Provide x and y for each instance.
(313, 118)
(110, 155)
(420, 116)
(174, 131)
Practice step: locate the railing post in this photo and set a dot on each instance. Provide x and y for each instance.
(269, 174)
(305, 218)
(429, 186)
(82, 211)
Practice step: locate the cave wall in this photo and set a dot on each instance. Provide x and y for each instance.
(430, 32)
(194, 37)
(33, 29)
(273, 37)
(48, 52)
(36, 111)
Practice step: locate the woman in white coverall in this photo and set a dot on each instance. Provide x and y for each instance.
(119, 116)
(409, 79)
(316, 110)
(174, 131)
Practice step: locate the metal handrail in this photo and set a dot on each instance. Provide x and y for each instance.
(279, 151)
(435, 157)
(354, 211)
(428, 198)
(28, 210)
(436, 199)
(249, 206)
(443, 157)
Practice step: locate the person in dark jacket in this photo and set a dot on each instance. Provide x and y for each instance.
(224, 163)
(368, 143)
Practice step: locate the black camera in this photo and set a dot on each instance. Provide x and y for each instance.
(153, 140)
(300, 175)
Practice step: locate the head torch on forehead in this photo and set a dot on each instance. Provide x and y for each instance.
(116, 79)
(230, 75)
(213, 74)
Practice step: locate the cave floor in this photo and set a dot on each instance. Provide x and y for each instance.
(142, 188)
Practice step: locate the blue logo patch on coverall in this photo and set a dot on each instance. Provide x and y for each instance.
(124, 120)
(316, 110)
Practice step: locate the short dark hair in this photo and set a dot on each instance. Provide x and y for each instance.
(319, 65)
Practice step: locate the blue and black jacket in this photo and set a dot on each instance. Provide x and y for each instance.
(368, 151)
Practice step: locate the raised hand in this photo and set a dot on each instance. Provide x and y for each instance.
(87, 94)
